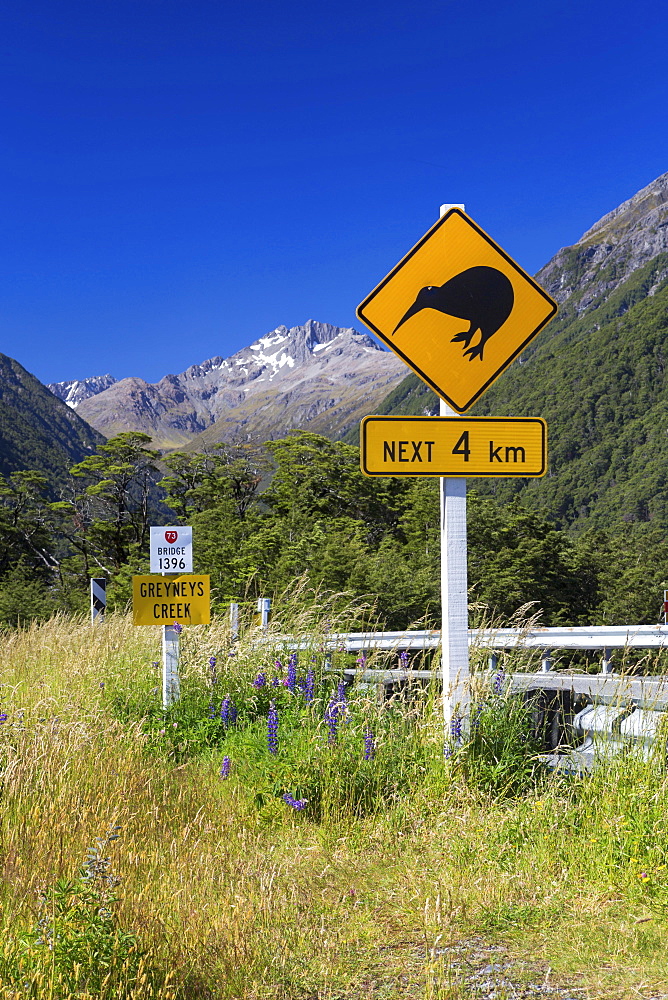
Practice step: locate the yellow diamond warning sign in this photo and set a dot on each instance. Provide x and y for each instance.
(162, 600)
(457, 309)
(456, 447)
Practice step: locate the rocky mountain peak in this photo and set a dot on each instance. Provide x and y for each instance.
(610, 251)
(285, 378)
(75, 391)
(645, 209)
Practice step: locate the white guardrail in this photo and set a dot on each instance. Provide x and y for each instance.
(605, 686)
(600, 712)
(559, 637)
(623, 710)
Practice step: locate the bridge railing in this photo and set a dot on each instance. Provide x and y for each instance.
(607, 686)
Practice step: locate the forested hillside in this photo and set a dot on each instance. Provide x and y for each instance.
(38, 431)
(319, 521)
(600, 382)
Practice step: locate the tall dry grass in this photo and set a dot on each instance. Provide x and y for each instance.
(231, 899)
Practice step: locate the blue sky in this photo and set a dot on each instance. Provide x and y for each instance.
(178, 178)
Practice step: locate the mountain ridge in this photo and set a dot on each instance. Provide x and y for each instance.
(316, 373)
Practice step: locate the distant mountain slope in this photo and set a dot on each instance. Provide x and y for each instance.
(315, 375)
(597, 374)
(37, 430)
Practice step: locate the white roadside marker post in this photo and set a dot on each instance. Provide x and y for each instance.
(234, 621)
(454, 590)
(263, 610)
(171, 549)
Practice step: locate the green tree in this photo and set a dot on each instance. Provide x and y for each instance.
(199, 481)
(26, 529)
(109, 517)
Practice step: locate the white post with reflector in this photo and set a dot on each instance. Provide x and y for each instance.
(98, 598)
(454, 589)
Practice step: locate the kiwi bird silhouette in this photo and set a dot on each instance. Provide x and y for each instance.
(482, 296)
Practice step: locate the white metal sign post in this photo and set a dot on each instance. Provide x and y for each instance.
(454, 598)
(171, 683)
(454, 588)
(171, 552)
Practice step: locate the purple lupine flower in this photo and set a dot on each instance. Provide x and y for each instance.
(3, 717)
(278, 665)
(298, 804)
(309, 684)
(260, 681)
(448, 750)
(369, 745)
(361, 661)
(225, 767)
(276, 682)
(456, 727)
(498, 682)
(403, 659)
(178, 628)
(342, 700)
(332, 719)
(291, 680)
(272, 729)
(475, 718)
(212, 669)
(212, 710)
(228, 712)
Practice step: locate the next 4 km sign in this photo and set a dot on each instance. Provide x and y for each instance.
(455, 447)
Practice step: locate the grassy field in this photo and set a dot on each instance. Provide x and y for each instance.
(174, 855)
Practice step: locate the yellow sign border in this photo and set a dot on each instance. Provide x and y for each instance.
(459, 408)
(461, 423)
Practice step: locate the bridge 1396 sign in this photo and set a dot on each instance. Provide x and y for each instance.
(457, 310)
(171, 549)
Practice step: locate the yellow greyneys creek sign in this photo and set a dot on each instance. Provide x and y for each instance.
(161, 600)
